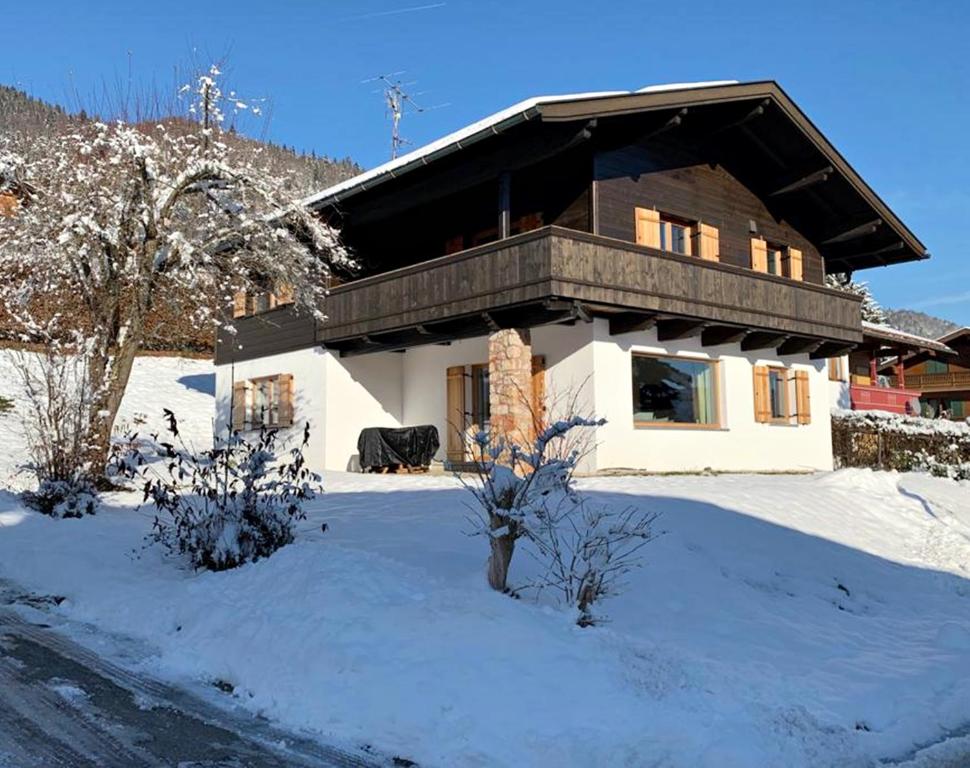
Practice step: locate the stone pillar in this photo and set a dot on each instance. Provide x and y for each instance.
(510, 384)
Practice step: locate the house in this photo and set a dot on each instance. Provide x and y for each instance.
(861, 381)
(942, 380)
(656, 258)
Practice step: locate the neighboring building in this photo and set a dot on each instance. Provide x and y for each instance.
(858, 382)
(656, 258)
(942, 380)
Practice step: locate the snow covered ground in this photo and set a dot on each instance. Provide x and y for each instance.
(777, 621)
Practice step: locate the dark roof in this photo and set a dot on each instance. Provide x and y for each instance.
(754, 129)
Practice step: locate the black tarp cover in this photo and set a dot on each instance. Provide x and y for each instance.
(386, 447)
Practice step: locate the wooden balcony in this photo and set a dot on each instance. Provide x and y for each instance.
(872, 398)
(559, 275)
(936, 382)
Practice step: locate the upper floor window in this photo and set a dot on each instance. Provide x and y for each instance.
(674, 234)
(776, 259)
(254, 303)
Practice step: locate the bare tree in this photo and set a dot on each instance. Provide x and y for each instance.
(127, 217)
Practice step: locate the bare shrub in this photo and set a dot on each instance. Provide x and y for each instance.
(235, 503)
(583, 551)
(54, 418)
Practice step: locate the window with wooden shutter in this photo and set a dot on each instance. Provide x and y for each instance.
(762, 396)
(759, 254)
(538, 404)
(284, 294)
(836, 369)
(455, 408)
(803, 399)
(648, 227)
(706, 242)
(285, 397)
(793, 264)
(239, 405)
(239, 304)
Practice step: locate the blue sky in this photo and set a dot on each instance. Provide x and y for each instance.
(888, 82)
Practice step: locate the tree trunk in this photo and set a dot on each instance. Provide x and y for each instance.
(109, 373)
(502, 548)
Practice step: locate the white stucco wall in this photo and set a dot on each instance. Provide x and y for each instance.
(338, 396)
(740, 444)
(588, 371)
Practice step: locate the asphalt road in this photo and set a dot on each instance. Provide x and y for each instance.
(63, 705)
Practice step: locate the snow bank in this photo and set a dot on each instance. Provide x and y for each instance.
(777, 621)
(798, 621)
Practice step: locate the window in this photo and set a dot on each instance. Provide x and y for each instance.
(935, 366)
(776, 259)
(481, 405)
(781, 395)
(674, 391)
(266, 401)
(778, 394)
(775, 266)
(836, 369)
(254, 303)
(675, 235)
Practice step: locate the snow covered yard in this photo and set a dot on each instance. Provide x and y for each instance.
(778, 621)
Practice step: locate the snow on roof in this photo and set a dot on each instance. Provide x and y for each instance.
(685, 86)
(894, 334)
(517, 111)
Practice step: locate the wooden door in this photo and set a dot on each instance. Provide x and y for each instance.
(455, 443)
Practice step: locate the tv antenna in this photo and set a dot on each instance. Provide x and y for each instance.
(397, 102)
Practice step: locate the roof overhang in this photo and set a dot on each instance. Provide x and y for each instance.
(869, 232)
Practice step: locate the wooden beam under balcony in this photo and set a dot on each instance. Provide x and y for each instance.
(808, 180)
(830, 349)
(798, 346)
(670, 330)
(715, 335)
(629, 322)
(762, 340)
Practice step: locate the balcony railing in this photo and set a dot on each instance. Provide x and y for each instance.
(935, 382)
(565, 264)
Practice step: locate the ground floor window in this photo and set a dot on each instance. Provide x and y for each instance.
(481, 403)
(674, 390)
(781, 395)
(265, 401)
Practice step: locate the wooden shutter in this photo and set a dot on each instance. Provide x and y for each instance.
(706, 244)
(648, 227)
(455, 409)
(284, 383)
(762, 396)
(803, 399)
(792, 264)
(759, 254)
(239, 405)
(538, 404)
(284, 294)
(239, 304)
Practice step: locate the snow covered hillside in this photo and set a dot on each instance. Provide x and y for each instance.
(778, 621)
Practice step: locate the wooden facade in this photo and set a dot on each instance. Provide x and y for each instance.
(533, 220)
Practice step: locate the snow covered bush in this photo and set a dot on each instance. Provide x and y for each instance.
(582, 551)
(872, 311)
(54, 419)
(117, 219)
(233, 504)
(70, 497)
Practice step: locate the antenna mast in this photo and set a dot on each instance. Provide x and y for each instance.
(397, 101)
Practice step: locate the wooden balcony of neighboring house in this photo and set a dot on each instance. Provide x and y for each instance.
(895, 399)
(928, 383)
